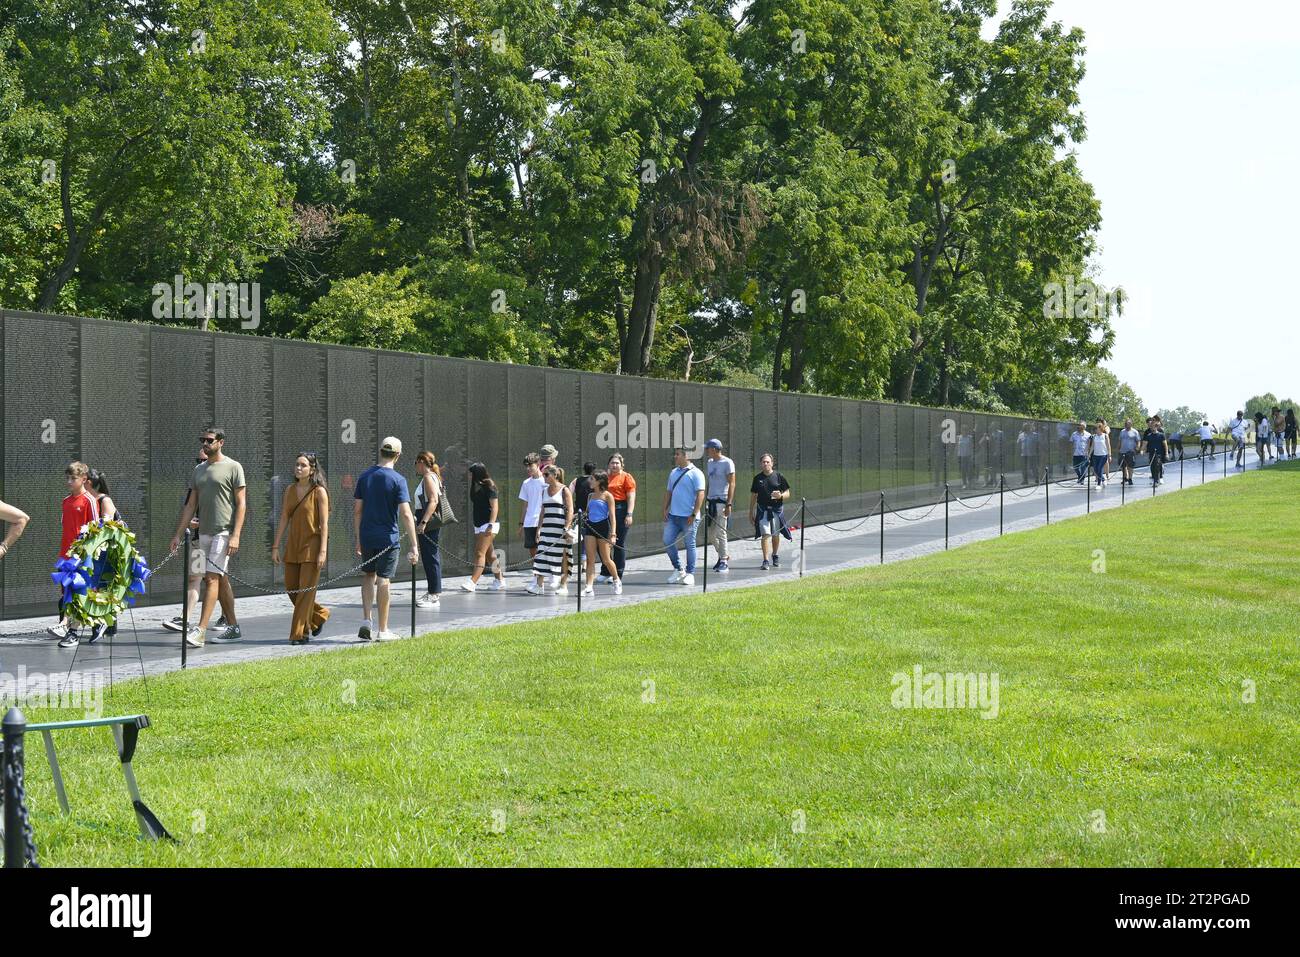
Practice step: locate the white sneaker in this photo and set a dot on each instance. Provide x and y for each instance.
(688, 580)
(676, 576)
(588, 590)
(58, 630)
(533, 589)
(468, 585)
(427, 601)
(618, 586)
(195, 638)
(387, 636)
(498, 584)
(603, 579)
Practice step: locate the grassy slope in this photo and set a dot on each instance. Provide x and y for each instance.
(768, 701)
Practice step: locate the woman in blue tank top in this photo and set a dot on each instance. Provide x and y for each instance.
(598, 530)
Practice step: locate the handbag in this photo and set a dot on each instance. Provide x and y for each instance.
(442, 513)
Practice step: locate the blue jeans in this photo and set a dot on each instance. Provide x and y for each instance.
(674, 528)
(1081, 467)
(1099, 467)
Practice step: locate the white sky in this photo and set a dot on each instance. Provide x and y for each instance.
(1193, 146)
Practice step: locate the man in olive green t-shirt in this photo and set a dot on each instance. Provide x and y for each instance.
(218, 486)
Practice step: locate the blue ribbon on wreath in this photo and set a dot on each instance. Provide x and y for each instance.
(70, 575)
(140, 573)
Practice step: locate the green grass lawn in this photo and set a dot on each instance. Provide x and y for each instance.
(534, 744)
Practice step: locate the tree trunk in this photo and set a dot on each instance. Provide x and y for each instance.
(794, 381)
(641, 318)
(782, 340)
(945, 375)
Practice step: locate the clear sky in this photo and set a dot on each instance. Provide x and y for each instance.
(1193, 147)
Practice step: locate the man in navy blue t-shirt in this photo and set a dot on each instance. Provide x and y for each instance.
(380, 499)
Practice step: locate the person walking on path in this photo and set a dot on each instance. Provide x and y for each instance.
(556, 517)
(1289, 421)
(599, 530)
(767, 495)
(1129, 440)
(1262, 438)
(17, 521)
(1237, 429)
(682, 504)
(531, 491)
(427, 496)
(623, 487)
(80, 508)
(1156, 448)
(722, 493)
(1099, 450)
(1079, 440)
(305, 512)
(221, 503)
(484, 505)
(1277, 427)
(224, 593)
(381, 498)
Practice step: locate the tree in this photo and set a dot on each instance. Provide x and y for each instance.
(1181, 419)
(1095, 392)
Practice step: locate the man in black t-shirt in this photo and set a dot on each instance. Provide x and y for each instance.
(1155, 445)
(767, 495)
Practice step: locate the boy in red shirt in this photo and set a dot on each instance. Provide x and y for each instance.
(80, 508)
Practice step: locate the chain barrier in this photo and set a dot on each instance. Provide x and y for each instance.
(823, 524)
(917, 518)
(988, 498)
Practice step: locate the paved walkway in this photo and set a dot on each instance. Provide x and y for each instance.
(24, 648)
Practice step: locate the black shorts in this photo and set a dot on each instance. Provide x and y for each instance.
(379, 561)
(600, 529)
(1126, 460)
(530, 536)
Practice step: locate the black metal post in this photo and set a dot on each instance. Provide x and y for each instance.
(416, 546)
(580, 581)
(1001, 501)
(706, 548)
(1047, 497)
(1123, 483)
(1202, 468)
(1181, 468)
(185, 598)
(945, 516)
(15, 726)
(882, 528)
(803, 524)
(1088, 495)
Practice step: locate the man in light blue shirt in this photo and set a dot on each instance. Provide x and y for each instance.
(683, 501)
(1079, 446)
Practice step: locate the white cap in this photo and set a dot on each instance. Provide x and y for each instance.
(391, 444)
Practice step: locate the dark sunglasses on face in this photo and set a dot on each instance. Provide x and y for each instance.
(208, 440)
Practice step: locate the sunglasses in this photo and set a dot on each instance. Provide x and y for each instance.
(208, 440)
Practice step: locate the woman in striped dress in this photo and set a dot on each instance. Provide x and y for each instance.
(557, 514)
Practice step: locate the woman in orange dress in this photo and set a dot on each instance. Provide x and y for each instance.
(306, 513)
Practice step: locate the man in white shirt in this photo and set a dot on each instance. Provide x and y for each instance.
(1206, 432)
(531, 492)
(721, 493)
(1238, 429)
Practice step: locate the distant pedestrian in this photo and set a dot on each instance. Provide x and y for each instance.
(1156, 447)
(599, 530)
(1277, 426)
(547, 455)
(1206, 433)
(966, 458)
(721, 495)
(622, 485)
(1129, 440)
(531, 491)
(1099, 451)
(484, 505)
(1237, 429)
(1079, 442)
(1175, 443)
(1026, 443)
(381, 500)
(305, 515)
(428, 493)
(1289, 422)
(767, 496)
(80, 508)
(683, 503)
(1263, 438)
(221, 503)
(556, 516)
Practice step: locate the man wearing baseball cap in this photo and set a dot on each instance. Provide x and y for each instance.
(548, 454)
(722, 492)
(380, 499)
